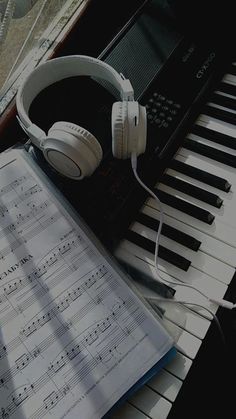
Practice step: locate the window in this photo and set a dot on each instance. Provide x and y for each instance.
(29, 32)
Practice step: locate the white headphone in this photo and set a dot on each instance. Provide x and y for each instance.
(70, 149)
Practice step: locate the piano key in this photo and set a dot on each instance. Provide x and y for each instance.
(222, 100)
(217, 230)
(151, 403)
(127, 257)
(193, 276)
(196, 160)
(210, 152)
(229, 78)
(216, 125)
(214, 136)
(220, 114)
(188, 319)
(127, 411)
(217, 107)
(192, 190)
(227, 197)
(165, 384)
(179, 365)
(193, 322)
(188, 344)
(186, 207)
(224, 218)
(199, 260)
(209, 245)
(225, 214)
(227, 88)
(200, 175)
(209, 143)
(164, 253)
(170, 232)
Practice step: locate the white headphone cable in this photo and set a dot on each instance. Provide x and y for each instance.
(220, 302)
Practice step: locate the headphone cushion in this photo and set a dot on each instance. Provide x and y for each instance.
(72, 150)
(119, 129)
(129, 128)
(81, 134)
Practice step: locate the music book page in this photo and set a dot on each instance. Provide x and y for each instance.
(74, 336)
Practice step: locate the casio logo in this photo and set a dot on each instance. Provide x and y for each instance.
(205, 65)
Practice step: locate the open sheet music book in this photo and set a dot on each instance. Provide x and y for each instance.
(75, 336)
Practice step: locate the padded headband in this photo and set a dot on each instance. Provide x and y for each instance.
(60, 68)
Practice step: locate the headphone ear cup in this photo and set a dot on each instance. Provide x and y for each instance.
(129, 129)
(72, 150)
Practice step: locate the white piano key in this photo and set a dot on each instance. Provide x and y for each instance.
(224, 217)
(179, 366)
(188, 344)
(194, 323)
(229, 78)
(217, 229)
(199, 260)
(176, 314)
(215, 105)
(209, 143)
(207, 164)
(127, 411)
(151, 403)
(209, 245)
(216, 125)
(219, 92)
(166, 384)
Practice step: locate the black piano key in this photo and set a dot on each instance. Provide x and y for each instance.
(186, 207)
(227, 102)
(220, 114)
(228, 88)
(160, 288)
(170, 232)
(165, 254)
(215, 136)
(192, 190)
(201, 175)
(210, 152)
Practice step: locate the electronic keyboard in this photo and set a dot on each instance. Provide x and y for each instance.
(189, 89)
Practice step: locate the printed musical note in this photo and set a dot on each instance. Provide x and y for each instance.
(20, 397)
(51, 400)
(22, 361)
